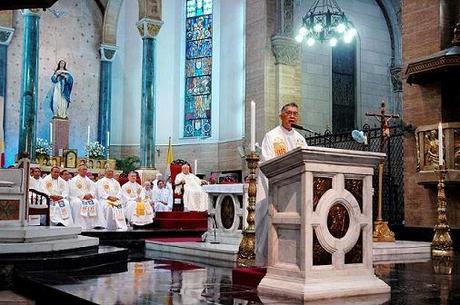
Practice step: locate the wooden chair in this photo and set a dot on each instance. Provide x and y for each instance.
(175, 168)
(39, 204)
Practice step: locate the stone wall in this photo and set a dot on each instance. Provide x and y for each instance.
(222, 156)
(74, 36)
(421, 106)
(373, 81)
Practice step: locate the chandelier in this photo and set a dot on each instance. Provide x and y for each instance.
(325, 21)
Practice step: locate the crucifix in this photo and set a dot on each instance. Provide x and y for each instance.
(381, 230)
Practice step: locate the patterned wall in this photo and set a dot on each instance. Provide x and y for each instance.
(71, 30)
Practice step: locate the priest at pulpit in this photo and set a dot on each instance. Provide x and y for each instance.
(195, 199)
(58, 191)
(276, 142)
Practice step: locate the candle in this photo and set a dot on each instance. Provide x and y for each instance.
(108, 144)
(89, 132)
(253, 126)
(51, 133)
(195, 167)
(440, 144)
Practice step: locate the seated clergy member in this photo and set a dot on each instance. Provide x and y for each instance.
(58, 191)
(87, 212)
(195, 199)
(138, 212)
(163, 198)
(109, 195)
(158, 177)
(147, 194)
(35, 179)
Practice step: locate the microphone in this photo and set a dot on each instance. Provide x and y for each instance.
(303, 128)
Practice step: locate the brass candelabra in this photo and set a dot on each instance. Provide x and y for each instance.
(442, 241)
(246, 251)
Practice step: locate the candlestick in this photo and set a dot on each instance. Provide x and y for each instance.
(253, 126)
(195, 168)
(108, 145)
(51, 133)
(440, 145)
(89, 132)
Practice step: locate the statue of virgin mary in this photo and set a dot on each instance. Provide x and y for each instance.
(59, 94)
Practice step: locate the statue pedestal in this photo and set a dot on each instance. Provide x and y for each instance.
(320, 224)
(60, 135)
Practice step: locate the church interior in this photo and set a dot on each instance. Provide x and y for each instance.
(229, 152)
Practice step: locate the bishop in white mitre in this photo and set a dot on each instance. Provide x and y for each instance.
(109, 195)
(163, 199)
(58, 191)
(276, 142)
(138, 211)
(195, 199)
(86, 209)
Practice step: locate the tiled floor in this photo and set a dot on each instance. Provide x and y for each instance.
(160, 281)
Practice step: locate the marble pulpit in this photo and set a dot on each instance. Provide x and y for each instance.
(227, 211)
(320, 226)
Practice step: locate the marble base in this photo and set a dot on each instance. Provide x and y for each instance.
(229, 238)
(221, 252)
(311, 289)
(147, 174)
(60, 135)
(37, 234)
(49, 245)
(401, 251)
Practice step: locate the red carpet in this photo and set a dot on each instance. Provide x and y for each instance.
(182, 220)
(175, 239)
(248, 276)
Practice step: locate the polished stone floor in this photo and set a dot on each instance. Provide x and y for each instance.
(160, 281)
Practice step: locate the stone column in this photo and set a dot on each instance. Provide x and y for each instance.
(108, 53)
(287, 56)
(29, 87)
(148, 29)
(6, 34)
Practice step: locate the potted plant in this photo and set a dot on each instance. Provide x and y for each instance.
(94, 150)
(42, 151)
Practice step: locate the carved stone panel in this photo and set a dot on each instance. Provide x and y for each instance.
(338, 220)
(9, 209)
(320, 186)
(355, 187)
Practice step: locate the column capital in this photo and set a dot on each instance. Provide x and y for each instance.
(286, 50)
(149, 28)
(31, 12)
(108, 52)
(6, 34)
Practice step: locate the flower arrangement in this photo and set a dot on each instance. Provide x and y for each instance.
(42, 147)
(95, 150)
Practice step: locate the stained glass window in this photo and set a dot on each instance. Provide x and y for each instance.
(198, 67)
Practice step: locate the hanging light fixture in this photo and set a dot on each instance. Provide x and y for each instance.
(325, 21)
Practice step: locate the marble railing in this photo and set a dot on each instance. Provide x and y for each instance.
(427, 146)
(227, 211)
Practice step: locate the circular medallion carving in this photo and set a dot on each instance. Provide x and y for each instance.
(227, 212)
(338, 220)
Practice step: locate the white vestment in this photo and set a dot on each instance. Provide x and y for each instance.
(60, 211)
(138, 211)
(86, 213)
(276, 142)
(162, 196)
(113, 210)
(195, 199)
(36, 184)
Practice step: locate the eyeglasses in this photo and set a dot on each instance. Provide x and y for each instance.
(291, 113)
